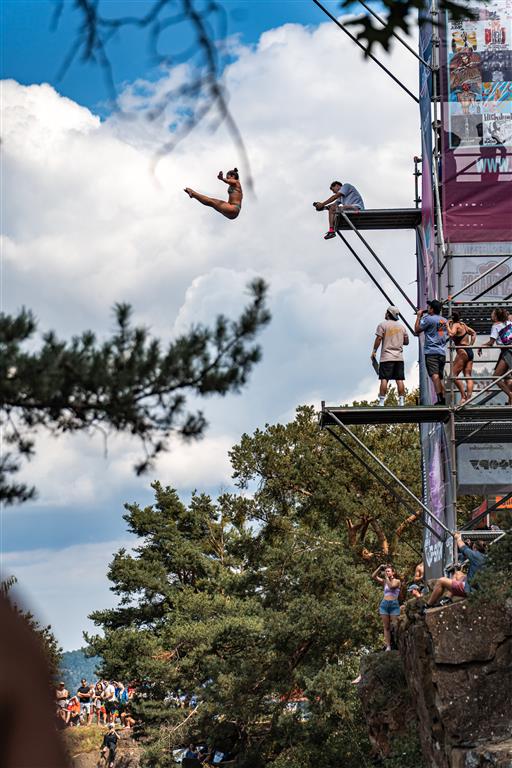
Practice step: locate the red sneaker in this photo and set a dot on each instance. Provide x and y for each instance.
(329, 234)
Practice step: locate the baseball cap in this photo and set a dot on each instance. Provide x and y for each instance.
(394, 311)
(436, 306)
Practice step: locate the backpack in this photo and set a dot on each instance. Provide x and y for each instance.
(505, 335)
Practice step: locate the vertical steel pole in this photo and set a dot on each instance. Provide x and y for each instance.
(441, 251)
(417, 174)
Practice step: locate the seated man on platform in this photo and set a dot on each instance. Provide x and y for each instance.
(344, 197)
(435, 328)
(460, 584)
(393, 336)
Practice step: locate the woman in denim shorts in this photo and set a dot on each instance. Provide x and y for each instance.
(389, 607)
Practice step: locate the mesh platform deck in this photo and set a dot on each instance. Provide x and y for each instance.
(377, 218)
(484, 431)
(470, 417)
(478, 315)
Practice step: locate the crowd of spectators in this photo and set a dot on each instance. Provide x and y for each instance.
(104, 702)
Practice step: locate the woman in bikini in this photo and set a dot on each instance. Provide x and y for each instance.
(229, 209)
(463, 338)
(389, 608)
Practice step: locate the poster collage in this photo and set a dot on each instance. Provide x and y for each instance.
(479, 64)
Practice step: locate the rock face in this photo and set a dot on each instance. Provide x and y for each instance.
(128, 755)
(458, 667)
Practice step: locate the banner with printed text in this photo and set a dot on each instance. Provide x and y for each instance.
(435, 457)
(476, 88)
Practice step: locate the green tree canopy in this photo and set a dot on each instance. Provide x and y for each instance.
(129, 383)
(44, 634)
(259, 596)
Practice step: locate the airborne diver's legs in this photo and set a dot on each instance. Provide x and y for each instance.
(228, 210)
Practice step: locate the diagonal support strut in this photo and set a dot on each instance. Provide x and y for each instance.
(379, 261)
(391, 474)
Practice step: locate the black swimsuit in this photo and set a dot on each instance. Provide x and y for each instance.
(457, 340)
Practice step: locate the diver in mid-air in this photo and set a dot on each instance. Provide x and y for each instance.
(230, 208)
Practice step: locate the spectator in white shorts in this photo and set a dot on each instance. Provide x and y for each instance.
(501, 335)
(85, 697)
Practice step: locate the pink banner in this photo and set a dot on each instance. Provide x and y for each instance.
(476, 88)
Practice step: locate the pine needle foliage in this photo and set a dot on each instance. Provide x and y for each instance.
(259, 599)
(130, 383)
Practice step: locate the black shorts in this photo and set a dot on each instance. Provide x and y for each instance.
(393, 370)
(435, 364)
(506, 355)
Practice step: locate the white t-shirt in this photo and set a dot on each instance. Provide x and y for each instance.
(495, 331)
(109, 693)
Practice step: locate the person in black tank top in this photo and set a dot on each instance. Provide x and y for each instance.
(463, 338)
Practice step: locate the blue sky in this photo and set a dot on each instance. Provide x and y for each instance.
(89, 221)
(33, 52)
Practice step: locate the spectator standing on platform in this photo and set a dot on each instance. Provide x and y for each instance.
(463, 338)
(393, 336)
(389, 607)
(435, 328)
(85, 696)
(344, 197)
(501, 335)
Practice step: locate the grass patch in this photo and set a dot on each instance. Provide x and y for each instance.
(86, 738)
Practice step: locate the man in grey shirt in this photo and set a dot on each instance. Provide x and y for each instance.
(392, 335)
(345, 197)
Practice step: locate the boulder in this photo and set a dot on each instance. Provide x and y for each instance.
(458, 667)
(486, 756)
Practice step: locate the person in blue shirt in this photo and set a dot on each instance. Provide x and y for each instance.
(435, 328)
(345, 197)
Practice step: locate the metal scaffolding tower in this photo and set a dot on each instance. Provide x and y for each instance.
(453, 432)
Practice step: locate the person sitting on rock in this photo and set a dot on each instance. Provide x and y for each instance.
(460, 584)
(418, 588)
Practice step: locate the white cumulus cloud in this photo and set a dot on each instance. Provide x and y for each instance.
(89, 220)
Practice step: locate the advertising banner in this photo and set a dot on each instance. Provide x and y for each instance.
(476, 86)
(436, 491)
(484, 468)
(496, 286)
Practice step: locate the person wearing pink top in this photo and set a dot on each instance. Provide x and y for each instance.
(389, 607)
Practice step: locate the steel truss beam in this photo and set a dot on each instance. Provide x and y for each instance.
(371, 276)
(495, 508)
(379, 261)
(383, 482)
(366, 51)
(392, 475)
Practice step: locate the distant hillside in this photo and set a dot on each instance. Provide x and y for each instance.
(75, 665)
